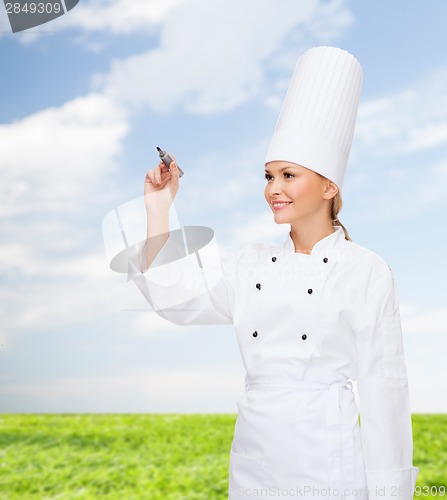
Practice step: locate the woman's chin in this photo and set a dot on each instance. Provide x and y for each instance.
(280, 220)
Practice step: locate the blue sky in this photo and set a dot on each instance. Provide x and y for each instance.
(85, 99)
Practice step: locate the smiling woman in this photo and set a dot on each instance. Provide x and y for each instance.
(301, 197)
(313, 315)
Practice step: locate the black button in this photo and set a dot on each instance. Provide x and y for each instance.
(255, 334)
(273, 259)
(258, 286)
(304, 336)
(309, 291)
(325, 260)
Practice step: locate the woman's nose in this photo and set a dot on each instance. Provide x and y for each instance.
(275, 186)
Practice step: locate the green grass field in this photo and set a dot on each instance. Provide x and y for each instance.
(152, 456)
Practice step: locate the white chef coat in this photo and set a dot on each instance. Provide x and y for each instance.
(308, 326)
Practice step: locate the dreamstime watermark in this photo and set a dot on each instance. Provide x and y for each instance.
(24, 14)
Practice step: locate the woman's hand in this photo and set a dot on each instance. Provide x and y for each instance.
(161, 186)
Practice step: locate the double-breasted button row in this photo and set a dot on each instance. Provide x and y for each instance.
(303, 336)
(325, 260)
(309, 291)
(258, 286)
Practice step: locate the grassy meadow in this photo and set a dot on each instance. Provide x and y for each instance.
(152, 456)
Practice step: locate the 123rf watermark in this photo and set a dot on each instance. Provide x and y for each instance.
(23, 14)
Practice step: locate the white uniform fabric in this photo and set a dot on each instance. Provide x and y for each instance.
(308, 325)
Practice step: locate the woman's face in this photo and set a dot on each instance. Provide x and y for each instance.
(295, 193)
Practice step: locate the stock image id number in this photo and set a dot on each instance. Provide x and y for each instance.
(33, 8)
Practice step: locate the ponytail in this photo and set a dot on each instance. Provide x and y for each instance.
(336, 206)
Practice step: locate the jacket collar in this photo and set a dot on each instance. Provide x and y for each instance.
(325, 244)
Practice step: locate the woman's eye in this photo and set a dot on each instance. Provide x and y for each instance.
(288, 176)
(268, 177)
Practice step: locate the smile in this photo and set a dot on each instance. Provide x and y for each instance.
(277, 205)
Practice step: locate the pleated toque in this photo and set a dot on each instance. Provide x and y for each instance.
(317, 119)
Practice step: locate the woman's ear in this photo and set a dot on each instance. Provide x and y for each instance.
(330, 190)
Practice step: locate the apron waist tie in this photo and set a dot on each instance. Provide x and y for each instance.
(287, 384)
(339, 439)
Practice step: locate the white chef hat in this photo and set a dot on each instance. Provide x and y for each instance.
(317, 119)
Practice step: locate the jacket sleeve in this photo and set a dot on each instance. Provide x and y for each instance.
(193, 289)
(384, 402)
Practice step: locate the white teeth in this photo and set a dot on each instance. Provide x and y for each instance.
(277, 205)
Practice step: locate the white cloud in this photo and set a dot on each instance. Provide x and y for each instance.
(212, 54)
(426, 368)
(408, 191)
(194, 390)
(239, 181)
(258, 227)
(118, 17)
(413, 119)
(53, 158)
(235, 205)
(49, 287)
(399, 149)
(147, 323)
(426, 390)
(56, 275)
(333, 17)
(424, 322)
(51, 300)
(56, 172)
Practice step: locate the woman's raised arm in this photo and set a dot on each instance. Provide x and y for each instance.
(160, 187)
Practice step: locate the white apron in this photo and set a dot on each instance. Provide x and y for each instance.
(307, 326)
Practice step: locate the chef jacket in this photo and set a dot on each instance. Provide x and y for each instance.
(308, 327)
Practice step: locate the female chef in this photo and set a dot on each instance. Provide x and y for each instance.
(313, 315)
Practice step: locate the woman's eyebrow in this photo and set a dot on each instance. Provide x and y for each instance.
(267, 171)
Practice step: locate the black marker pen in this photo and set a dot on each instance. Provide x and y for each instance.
(166, 159)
